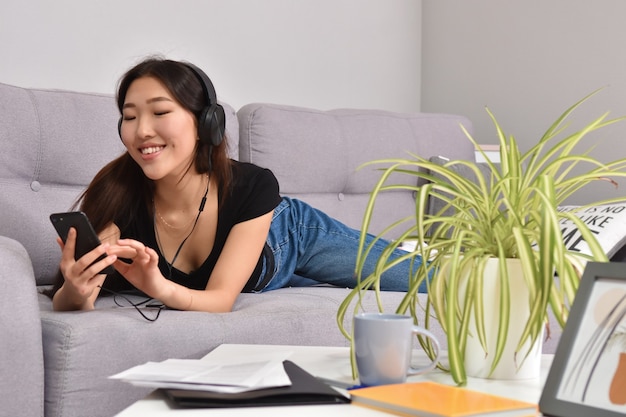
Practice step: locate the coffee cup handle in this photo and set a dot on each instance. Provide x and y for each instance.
(417, 330)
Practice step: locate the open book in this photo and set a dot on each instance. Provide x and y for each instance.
(608, 222)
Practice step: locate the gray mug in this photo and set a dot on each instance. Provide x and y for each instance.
(383, 345)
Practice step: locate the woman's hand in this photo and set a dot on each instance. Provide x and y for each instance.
(143, 269)
(82, 276)
(143, 272)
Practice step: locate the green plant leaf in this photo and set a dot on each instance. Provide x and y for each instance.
(509, 212)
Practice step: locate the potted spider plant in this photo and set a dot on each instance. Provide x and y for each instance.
(496, 228)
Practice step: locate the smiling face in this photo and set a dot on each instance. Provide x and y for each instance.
(159, 133)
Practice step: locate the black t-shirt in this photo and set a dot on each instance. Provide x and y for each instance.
(254, 192)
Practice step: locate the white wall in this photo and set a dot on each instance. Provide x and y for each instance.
(316, 53)
(528, 61)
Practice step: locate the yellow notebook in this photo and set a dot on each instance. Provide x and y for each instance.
(430, 399)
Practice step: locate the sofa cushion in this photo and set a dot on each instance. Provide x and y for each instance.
(53, 143)
(84, 348)
(315, 154)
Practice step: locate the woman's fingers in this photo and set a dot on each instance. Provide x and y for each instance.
(122, 251)
(86, 267)
(135, 251)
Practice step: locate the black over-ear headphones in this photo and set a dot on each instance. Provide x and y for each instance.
(212, 120)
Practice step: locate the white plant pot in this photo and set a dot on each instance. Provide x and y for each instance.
(511, 365)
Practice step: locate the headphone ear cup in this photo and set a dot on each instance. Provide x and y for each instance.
(211, 125)
(218, 125)
(212, 120)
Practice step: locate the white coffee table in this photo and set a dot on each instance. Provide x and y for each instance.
(330, 363)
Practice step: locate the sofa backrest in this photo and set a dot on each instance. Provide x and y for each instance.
(53, 143)
(315, 154)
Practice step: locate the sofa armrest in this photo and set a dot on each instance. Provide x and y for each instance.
(21, 351)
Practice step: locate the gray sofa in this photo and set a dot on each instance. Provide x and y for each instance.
(53, 142)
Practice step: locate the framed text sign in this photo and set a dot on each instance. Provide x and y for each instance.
(588, 374)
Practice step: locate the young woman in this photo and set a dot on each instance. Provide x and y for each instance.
(186, 225)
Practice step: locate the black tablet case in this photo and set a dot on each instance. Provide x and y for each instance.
(305, 389)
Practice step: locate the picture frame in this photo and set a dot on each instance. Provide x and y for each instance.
(588, 374)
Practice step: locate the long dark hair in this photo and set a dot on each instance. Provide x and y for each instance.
(120, 190)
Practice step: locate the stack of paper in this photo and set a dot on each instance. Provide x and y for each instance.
(203, 375)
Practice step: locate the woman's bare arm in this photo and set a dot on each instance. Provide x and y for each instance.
(233, 269)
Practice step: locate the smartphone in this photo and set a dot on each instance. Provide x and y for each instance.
(86, 237)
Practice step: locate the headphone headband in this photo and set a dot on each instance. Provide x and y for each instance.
(205, 81)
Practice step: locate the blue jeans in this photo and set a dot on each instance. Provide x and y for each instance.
(308, 244)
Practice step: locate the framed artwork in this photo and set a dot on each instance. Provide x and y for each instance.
(588, 373)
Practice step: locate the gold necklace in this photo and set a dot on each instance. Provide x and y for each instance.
(170, 265)
(169, 225)
(186, 225)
